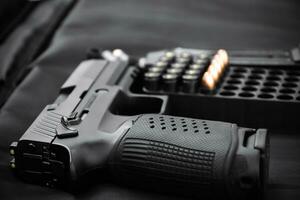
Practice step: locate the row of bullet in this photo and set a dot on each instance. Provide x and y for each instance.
(215, 70)
(172, 69)
(186, 70)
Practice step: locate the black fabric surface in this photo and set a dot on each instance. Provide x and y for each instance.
(27, 40)
(9, 13)
(139, 26)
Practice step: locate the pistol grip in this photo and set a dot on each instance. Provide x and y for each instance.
(194, 156)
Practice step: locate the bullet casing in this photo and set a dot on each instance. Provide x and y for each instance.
(178, 65)
(161, 64)
(183, 60)
(197, 66)
(151, 80)
(170, 55)
(200, 61)
(165, 59)
(177, 71)
(170, 82)
(192, 72)
(185, 55)
(156, 69)
(190, 83)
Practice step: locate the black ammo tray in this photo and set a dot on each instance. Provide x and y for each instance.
(257, 89)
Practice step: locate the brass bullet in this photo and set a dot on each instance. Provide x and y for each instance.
(212, 70)
(208, 81)
(224, 55)
(218, 64)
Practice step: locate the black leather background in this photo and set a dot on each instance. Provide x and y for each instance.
(139, 26)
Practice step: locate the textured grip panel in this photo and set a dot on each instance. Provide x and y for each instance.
(161, 149)
(167, 161)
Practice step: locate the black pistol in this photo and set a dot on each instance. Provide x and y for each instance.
(98, 123)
